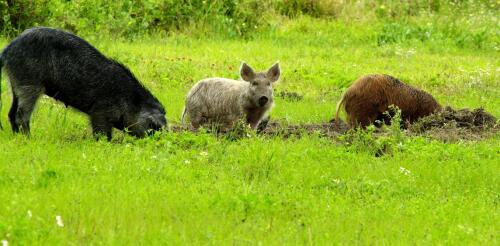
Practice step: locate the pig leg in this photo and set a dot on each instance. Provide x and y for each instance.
(24, 102)
(254, 124)
(196, 119)
(227, 125)
(254, 117)
(263, 123)
(101, 126)
(364, 120)
(361, 115)
(12, 113)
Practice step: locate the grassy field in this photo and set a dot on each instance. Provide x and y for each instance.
(186, 188)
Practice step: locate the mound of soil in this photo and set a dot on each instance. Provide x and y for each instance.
(451, 125)
(463, 118)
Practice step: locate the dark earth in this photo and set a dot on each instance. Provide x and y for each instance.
(446, 125)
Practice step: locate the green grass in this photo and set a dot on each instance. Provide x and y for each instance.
(186, 188)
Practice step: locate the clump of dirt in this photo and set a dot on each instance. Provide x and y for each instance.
(451, 125)
(290, 96)
(330, 129)
(463, 118)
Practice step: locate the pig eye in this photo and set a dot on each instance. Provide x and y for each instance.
(255, 83)
(268, 83)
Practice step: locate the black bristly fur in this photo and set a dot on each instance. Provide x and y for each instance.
(64, 66)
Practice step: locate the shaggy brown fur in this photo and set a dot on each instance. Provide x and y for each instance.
(370, 96)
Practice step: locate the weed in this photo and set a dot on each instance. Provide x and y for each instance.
(377, 142)
(180, 187)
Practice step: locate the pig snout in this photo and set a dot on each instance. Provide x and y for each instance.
(156, 123)
(263, 100)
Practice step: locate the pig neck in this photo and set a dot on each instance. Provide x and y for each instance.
(249, 108)
(245, 101)
(253, 113)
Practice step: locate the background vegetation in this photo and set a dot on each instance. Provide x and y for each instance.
(59, 186)
(463, 23)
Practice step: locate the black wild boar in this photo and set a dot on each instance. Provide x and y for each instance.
(67, 68)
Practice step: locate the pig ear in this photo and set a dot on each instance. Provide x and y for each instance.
(246, 72)
(274, 72)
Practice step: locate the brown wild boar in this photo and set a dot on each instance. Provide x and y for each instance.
(366, 100)
(223, 101)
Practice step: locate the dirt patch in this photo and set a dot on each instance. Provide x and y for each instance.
(450, 135)
(448, 125)
(330, 129)
(290, 96)
(276, 129)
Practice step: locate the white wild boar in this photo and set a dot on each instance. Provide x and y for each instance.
(223, 101)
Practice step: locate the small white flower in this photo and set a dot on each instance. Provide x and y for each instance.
(5, 243)
(186, 162)
(204, 153)
(404, 171)
(466, 229)
(154, 156)
(30, 214)
(59, 221)
(337, 181)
